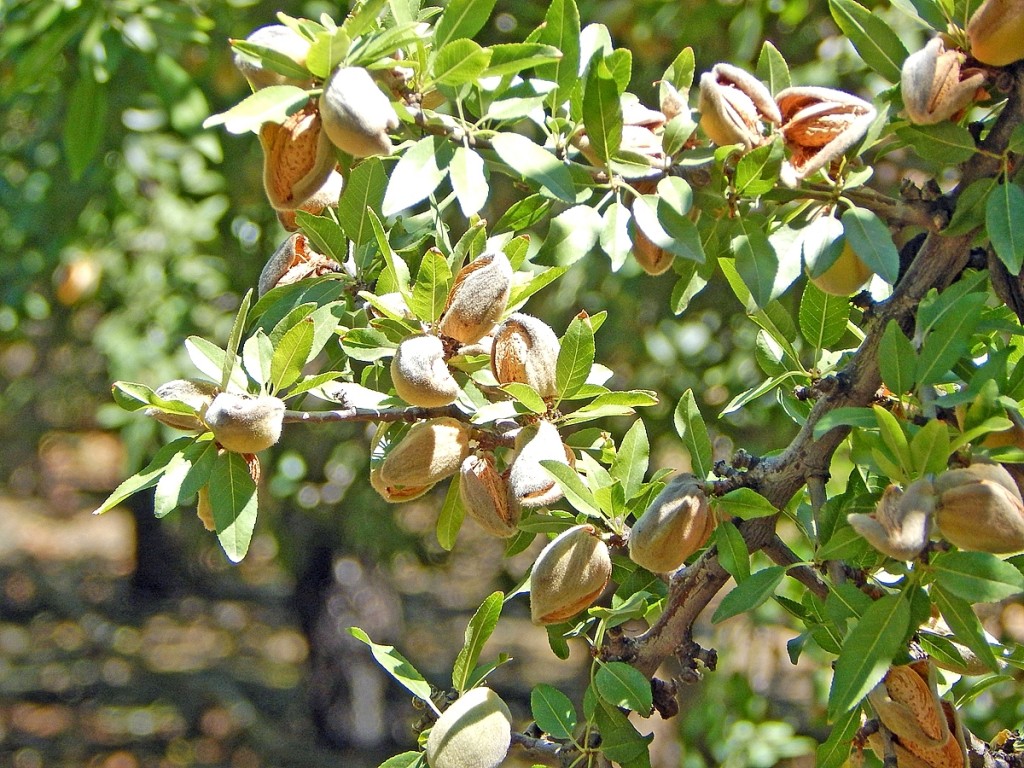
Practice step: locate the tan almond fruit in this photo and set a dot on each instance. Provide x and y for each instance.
(525, 350)
(652, 258)
(484, 495)
(935, 85)
(245, 423)
(530, 484)
(420, 374)
(281, 39)
(477, 298)
(980, 509)
(677, 523)
(357, 115)
(901, 523)
(570, 573)
(294, 260)
(996, 32)
(430, 451)
(325, 197)
(197, 394)
(735, 107)
(204, 510)
(819, 125)
(474, 732)
(396, 494)
(846, 276)
(297, 158)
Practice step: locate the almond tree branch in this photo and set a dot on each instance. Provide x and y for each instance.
(778, 478)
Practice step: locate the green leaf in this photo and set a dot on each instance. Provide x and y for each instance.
(461, 18)
(655, 219)
(630, 464)
(271, 58)
(396, 665)
(867, 652)
(614, 237)
(523, 214)
(364, 190)
(869, 237)
(875, 41)
(822, 243)
(621, 685)
(758, 170)
(187, 471)
(745, 503)
(1004, 219)
(268, 105)
(234, 502)
(85, 123)
(732, 550)
(209, 359)
(145, 478)
(521, 292)
(406, 760)
(971, 208)
(513, 58)
(449, 520)
(750, 593)
(977, 577)
(235, 339)
(894, 437)
(571, 235)
(823, 317)
(469, 180)
(772, 68)
(526, 395)
(756, 262)
(947, 143)
(561, 30)
(552, 711)
(459, 62)
(576, 493)
(961, 618)
(479, 629)
(929, 449)
(602, 112)
(620, 741)
(535, 164)
(897, 360)
(417, 174)
(430, 291)
(835, 750)
(693, 432)
(949, 339)
(291, 353)
(575, 356)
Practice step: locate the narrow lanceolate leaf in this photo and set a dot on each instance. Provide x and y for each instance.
(867, 652)
(552, 711)
(576, 493)
(947, 143)
(460, 62)
(405, 760)
(929, 449)
(823, 317)
(417, 174)
(870, 239)
(630, 464)
(745, 503)
(897, 360)
(272, 104)
(622, 685)
(875, 41)
(469, 180)
(85, 123)
(693, 432)
(235, 339)
(363, 191)
(575, 357)
(535, 164)
(772, 68)
(147, 477)
(461, 18)
(478, 631)
(396, 665)
(756, 262)
(977, 577)
(732, 550)
(512, 58)
(449, 520)
(233, 498)
(1004, 218)
(291, 353)
(961, 618)
(949, 339)
(430, 292)
(561, 30)
(750, 593)
(602, 112)
(835, 751)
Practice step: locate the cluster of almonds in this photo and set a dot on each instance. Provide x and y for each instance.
(977, 508)
(352, 114)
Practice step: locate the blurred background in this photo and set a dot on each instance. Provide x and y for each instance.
(125, 227)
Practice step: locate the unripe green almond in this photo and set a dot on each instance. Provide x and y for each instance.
(980, 509)
(244, 423)
(420, 374)
(525, 350)
(571, 572)
(676, 524)
(281, 39)
(530, 485)
(357, 115)
(474, 732)
(484, 495)
(195, 393)
(477, 298)
(430, 451)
